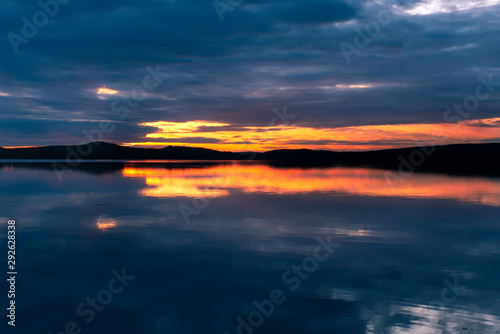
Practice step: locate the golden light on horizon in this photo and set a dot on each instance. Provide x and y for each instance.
(13, 147)
(106, 91)
(221, 136)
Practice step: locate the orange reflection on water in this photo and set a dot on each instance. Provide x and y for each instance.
(195, 183)
(218, 181)
(104, 223)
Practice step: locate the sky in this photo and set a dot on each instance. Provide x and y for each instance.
(245, 75)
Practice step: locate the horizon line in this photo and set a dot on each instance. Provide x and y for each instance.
(243, 151)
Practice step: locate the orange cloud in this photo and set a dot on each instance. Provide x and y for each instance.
(345, 138)
(106, 91)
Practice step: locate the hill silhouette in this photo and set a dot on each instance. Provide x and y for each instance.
(109, 151)
(470, 159)
(467, 159)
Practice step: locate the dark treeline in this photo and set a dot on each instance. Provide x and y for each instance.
(467, 159)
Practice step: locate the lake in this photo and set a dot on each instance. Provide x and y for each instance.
(195, 247)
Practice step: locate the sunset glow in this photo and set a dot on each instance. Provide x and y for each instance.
(251, 167)
(222, 136)
(11, 147)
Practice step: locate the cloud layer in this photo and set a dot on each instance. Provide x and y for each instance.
(426, 57)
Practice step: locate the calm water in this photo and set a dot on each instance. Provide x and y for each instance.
(205, 241)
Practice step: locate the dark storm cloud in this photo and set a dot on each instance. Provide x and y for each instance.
(264, 55)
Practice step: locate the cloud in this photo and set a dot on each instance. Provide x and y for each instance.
(265, 55)
(106, 91)
(341, 138)
(428, 7)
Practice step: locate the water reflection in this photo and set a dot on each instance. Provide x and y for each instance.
(399, 243)
(219, 180)
(105, 223)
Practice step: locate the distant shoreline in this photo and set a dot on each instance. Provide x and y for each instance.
(464, 159)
